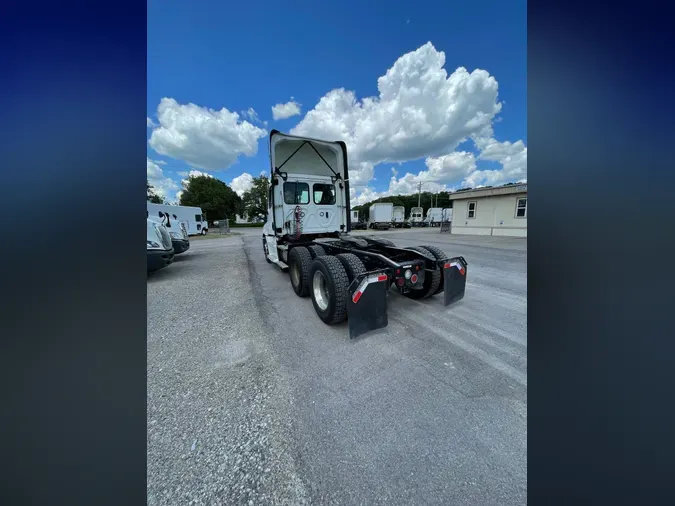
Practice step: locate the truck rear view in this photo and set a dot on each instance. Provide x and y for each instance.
(347, 277)
(381, 215)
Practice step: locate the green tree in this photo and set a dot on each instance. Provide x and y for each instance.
(254, 201)
(152, 196)
(216, 199)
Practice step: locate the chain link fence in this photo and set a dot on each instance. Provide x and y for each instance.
(221, 226)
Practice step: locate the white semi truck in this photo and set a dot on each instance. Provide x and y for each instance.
(307, 234)
(158, 243)
(192, 217)
(416, 216)
(356, 222)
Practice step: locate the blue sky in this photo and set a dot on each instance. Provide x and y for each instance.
(239, 56)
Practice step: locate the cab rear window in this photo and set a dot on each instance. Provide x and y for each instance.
(296, 193)
(324, 194)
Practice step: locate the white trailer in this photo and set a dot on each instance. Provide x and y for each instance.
(416, 216)
(398, 216)
(380, 215)
(434, 217)
(191, 217)
(447, 214)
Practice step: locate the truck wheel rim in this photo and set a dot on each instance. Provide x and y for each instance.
(295, 274)
(320, 290)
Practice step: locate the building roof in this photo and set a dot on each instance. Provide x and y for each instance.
(489, 191)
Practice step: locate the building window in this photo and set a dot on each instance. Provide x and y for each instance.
(324, 194)
(296, 193)
(521, 208)
(472, 209)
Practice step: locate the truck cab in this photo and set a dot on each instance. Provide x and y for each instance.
(177, 231)
(416, 216)
(159, 246)
(309, 189)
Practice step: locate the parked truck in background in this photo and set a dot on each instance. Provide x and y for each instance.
(381, 215)
(398, 216)
(416, 216)
(357, 221)
(434, 217)
(177, 231)
(159, 247)
(192, 217)
(447, 214)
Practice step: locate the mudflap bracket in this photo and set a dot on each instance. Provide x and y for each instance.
(367, 304)
(454, 279)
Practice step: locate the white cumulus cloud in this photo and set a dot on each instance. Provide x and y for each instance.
(192, 173)
(150, 123)
(241, 184)
(511, 156)
(420, 112)
(287, 110)
(162, 185)
(203, 137)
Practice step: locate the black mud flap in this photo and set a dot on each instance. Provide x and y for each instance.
(367, 304)
(454, 279)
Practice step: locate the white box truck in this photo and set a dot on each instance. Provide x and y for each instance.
(416, 216)
(380, 215)
(398, 216)
(192, 217)
(434, 217)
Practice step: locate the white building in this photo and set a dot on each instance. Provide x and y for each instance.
(491, 211)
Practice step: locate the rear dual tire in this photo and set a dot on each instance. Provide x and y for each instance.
(299, 263)
(329, 289)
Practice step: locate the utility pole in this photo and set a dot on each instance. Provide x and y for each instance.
(419, 191)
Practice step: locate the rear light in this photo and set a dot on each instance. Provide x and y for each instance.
(400, 281)
(408, 273)
(398, 271)
(382, 277)
(413, 279)
(417, 267)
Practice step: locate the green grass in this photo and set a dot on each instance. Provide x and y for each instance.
(211, 235)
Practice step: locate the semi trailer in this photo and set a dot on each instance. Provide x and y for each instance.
(307, 234)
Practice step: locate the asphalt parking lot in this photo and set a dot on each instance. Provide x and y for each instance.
(253, 400)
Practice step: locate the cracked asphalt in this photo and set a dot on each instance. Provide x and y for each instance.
(253, 400)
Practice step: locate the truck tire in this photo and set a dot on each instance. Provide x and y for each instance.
(299, 261)
(316, 251)
(387, 242)
(265, 250)
(329, 289)
(431, 279)
(440, 255)
(352, 264)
